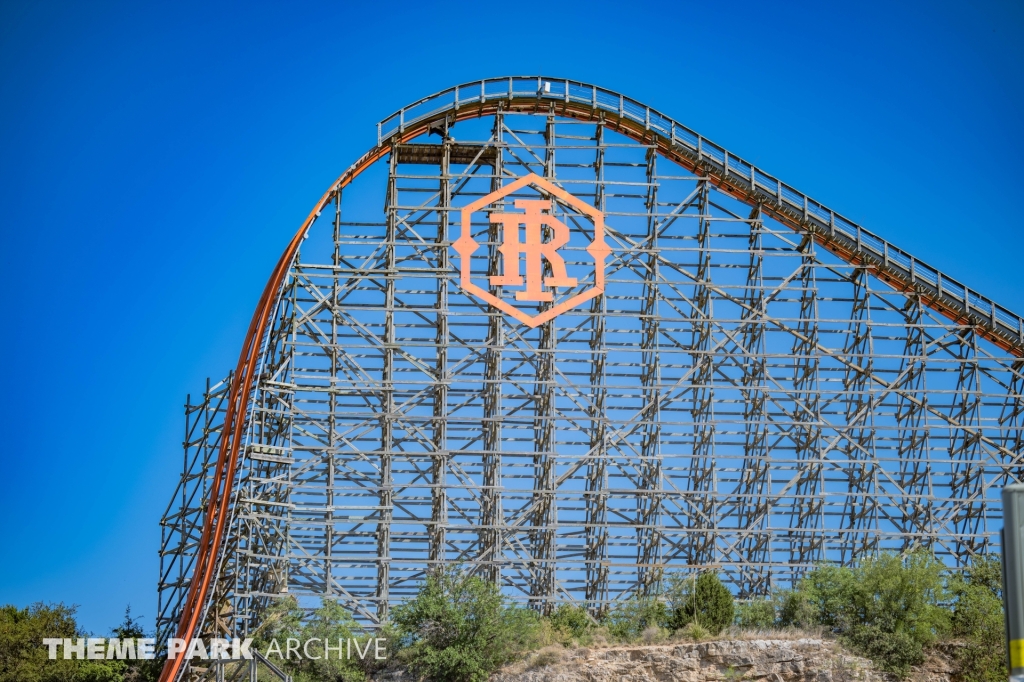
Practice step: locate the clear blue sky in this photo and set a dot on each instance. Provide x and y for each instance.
(156, 157)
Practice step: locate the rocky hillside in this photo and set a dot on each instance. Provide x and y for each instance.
(798, 660)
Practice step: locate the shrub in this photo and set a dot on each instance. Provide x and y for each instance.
(549, 655)
(459, 628)
(653, 634)
(695, 631)
(573, 621)
(757, 613)
(894, 651)
(546, 635)
(629, 619)
(826, 596)
(978, 621)
(793, 609)
(705, 601)
(887, 608)
(599, 637)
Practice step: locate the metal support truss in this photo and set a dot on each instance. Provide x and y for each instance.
(182, 521)
(542, 537)
(754, 479)
(859, 445)
(911, 445)
(596, 527)
(439, 464)
(806, 520)
(648, 499)
(966, 476)
(491, 512)
(702, 467)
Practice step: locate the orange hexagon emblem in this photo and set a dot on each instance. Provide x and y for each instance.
(523, 259)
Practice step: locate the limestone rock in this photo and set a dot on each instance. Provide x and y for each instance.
(799, 660)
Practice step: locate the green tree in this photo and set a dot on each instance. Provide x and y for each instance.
(459, 628)
(24, 658)
(705, 601)
(138, 670)
(978, 621)
(826, 596)
(793, 608)
(888, 608)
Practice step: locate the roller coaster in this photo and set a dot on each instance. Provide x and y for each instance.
(706, 369)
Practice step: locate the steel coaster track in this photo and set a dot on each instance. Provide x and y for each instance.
(572, 99)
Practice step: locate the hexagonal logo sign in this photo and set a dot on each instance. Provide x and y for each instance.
(534, 247)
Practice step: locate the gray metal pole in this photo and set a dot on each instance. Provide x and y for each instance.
(1013, 576)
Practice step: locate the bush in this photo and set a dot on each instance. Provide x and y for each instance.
(757, 613)
(599, 637)
(893, 650)
(629, 619)
(459, 628)
(887, 608)
(890, 609)
(695, 631)
(978, 622)
(572, 621)
(653, 634)
(793, 609)
(549, 655)
(705, 601)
